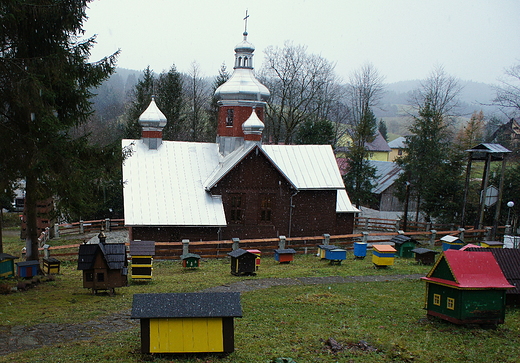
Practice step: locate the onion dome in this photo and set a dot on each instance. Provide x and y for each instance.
(152, 116)
(253, 125)
(243, 85)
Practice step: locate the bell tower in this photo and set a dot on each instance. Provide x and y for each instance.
(239, 97)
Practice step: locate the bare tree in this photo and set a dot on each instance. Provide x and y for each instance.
(302, 85)
(441, 91)
(365, 91)
(508, 92)
(198, 98)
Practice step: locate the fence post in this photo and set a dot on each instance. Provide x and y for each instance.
(81, 228)
(185, 246)
(461, 235)
(428, 226)
(236, 243)
(400, 232)
(56, 230)
(397, 224)
(46, 252)
(364, 238)
(433, 237)
(281, 243)
(366, 224)
(488, 233)
(326, 239)
(107, 224)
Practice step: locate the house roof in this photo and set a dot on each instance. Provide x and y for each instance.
(171, 185)
(113, 253)
(509, 261)
(473, 270)
(387, 173)
(187, 305)
(398, 143)
(165, 186)
(422, 251)
(379, 144)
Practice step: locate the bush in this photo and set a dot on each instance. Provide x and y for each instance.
(11, 219)
(5, 289)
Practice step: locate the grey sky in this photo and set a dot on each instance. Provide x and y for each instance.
(404, 39)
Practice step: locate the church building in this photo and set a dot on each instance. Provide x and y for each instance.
(236, 187)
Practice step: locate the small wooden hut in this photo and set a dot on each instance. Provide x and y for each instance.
(187, 322)
(425, 256)
(104, 266)
(404, 245)
(466, 287)
(491, 244)
(336, 255)
(7, 265)
(242, 262)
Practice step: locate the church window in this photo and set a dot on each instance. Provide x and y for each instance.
(237, 208)
(266, 212)
(229, 117)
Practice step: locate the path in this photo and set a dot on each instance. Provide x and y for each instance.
(19, 337)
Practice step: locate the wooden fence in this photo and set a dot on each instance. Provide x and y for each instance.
(373, 231)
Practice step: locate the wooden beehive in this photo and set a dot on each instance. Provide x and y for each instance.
(27, 268)
(425, 256)
(466, 287)
(451, 243)
(336, 255)
(187, 322)
(7, 265)
(242, 262)
(142, 253)
(383, 255)
(404, 245)
(284, 255)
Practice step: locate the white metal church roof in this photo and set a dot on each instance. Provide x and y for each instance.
(170, 185)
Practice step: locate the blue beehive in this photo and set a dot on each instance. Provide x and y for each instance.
(360, 250)
(28, 268)
(451, 243)
(335, 256)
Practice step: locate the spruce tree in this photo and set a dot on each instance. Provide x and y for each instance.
(45, 83)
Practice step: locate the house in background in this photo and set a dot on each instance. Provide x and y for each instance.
(396, 146)
(236, 187)
(378, 148)
(508, 134)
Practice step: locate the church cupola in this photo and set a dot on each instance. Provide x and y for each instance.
(252, 129)
(238, 97)
(152, 121)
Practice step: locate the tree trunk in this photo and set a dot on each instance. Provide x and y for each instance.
(31, 199)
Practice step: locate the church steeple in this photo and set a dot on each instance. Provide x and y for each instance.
(238, 97)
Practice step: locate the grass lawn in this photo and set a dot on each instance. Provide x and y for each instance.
(282, 321)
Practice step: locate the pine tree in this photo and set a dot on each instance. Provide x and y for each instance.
(45, 92)
(360, 175)
(170, 101)
(141, 98)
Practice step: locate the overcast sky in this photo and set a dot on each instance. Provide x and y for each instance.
(403, 39)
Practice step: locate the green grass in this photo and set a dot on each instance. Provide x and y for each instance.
(279, 321)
